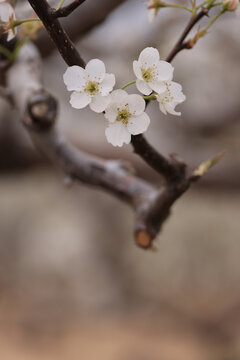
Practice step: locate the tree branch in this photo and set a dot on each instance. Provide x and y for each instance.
(77, 25)
(173, 170)
(181, 44)
(38, 110)
(164, 166)
(67, 10)
(65, 47)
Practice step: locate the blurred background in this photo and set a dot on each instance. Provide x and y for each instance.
(72, 282)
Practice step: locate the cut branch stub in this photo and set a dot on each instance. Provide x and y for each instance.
(42, 111)
(153, 209)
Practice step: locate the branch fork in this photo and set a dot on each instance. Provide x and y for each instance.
(38, 112)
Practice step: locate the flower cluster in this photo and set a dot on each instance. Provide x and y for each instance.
(7, 16)
(125, 113)
(156, 75)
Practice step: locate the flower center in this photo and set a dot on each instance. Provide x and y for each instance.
(149, 74)
(92, 87)
(123, 116)
(168, 96)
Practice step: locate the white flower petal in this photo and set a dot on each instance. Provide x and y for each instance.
(96, 70)
(176, 92)
(79, 100)
(118, 96)
(157, 86)
(148, 57)
(107, 84)
(136, 104)
(143, 87)
(137, 70)
(117, 134)
(6, 11)
(162, 108)
(74, 78)
(165, 71)
(170, 109)
(138, 124)
(171, 98)
(99, 103)
(111, 111)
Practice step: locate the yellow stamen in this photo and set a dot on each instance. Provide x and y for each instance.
(123, 116)
(92, 87)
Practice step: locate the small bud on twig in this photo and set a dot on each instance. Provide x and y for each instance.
(231, 5)
(206, 165)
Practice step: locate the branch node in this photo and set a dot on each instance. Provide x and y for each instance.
(42, 111)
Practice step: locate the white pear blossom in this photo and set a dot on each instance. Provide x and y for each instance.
(151, 72)
(126, 117)
(170, 98)
(7, 15)
(91, 86)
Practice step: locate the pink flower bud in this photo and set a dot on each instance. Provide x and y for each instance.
(232, 5)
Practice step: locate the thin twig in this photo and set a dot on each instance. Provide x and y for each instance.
(172, 170)
(181, 44)
(67, 10)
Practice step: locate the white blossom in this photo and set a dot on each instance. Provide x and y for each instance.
(91, 86)
(126, 117)
(151, 72)
(7, 15)
(170, 98)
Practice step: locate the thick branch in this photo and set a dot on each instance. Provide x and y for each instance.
(79, 23)
(57, 33)
(67, 10)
